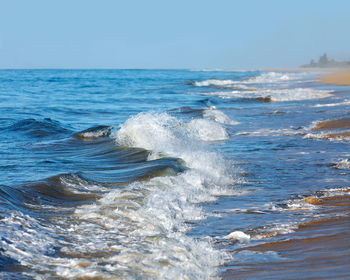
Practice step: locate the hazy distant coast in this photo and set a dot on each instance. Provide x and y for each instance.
(325, 62)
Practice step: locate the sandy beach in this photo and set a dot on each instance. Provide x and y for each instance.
(314, 246)
(337, 78)
(341, 78)
(333, 124)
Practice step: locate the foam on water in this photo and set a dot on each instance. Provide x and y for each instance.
(274, 132)
(94, 132)
(324, 135)
(218, 116)
(277, 95)
(342, 164)
(216, 83)
(132, 203)
(78, 185)
(157, 223)
(25, 240)
(138, 230)
(275, 229)
(239, 236)
(269, 86)
(316, 136)
(339, 191)
(164, 134)
(264, 78)
(345, 102)
(274, 77)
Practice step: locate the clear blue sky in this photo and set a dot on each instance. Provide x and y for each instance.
(171, 33)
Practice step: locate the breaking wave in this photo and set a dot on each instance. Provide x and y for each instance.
(214, 114)
(264, 78)
(277, 95)
(136, 230)
(275, 77)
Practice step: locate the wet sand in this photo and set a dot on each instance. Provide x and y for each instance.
(341, 78)
(337, 78)
(341, 135)
(333, 124)
(318, 247)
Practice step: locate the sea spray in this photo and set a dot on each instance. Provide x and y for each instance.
(273, 95)
(154, 215)
(139, 229)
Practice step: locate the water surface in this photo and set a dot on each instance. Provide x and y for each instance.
(168, 174)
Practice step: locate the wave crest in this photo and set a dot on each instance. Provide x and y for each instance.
(276, 95)
(164, 133)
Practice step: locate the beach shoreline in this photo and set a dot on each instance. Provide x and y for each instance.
(314, 245)
(331, 76)
(339, 78)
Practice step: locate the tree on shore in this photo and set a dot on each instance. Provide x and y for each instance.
(323, 59)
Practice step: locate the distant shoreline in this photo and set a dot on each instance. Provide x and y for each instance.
(295, 69)
(332, 76)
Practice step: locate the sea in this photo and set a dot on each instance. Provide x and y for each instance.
(171, 174)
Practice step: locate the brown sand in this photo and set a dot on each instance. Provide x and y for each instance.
(337, 78)
(341, 78)
(319, 249)
(333, 124)
(313, 200)
(341, 135)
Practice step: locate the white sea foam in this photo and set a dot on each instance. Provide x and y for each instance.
(345, 102)
(239, 236)
(138, 230)
(206, 130)
(162, 133)
(218, 116)
(324, 135)
(165, 135)
(277, 95)
(342, 164)
(78, 185)
(264, 78)
(216, 83)
(275, 229)
(315, 136)
(296, 94)
(276, 86)
(270, 77)
(24, 239)
(169, 201)
(340, 191)
(95, 132)
(300, 204)
(277, 77)
(274, 132)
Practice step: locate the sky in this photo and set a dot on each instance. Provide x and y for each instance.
(171, 34)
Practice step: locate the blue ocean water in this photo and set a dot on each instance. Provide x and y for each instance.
(159, 174)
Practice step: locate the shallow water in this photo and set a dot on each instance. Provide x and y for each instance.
(127, 174)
